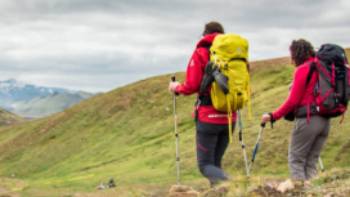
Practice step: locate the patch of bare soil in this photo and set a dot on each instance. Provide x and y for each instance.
(182, 191)
(6, 193)
(268, 191)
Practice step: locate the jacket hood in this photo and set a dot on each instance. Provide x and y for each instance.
(206, 40)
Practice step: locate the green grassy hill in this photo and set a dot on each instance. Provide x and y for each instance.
(8, 118)
(128, 134)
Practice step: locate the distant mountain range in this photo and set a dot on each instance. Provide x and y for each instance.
(33, 101)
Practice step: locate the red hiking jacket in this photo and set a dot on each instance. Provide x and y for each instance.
(194, 75)
(300, 94)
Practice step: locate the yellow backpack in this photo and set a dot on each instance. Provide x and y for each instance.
(229, 54)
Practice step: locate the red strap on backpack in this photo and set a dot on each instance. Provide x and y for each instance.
(333, 75)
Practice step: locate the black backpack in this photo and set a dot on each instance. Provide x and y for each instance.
(332, 90)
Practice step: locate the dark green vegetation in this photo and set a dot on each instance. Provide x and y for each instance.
(128, 134)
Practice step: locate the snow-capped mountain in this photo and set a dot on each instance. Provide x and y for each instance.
(19, 91)
(19, 98)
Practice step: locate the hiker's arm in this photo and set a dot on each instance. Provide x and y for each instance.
(194, 72)
(295, 94)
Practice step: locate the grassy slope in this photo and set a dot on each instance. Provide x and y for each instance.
(127, 134)
(8, 118)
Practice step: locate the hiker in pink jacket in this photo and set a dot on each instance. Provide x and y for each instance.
(311, 130)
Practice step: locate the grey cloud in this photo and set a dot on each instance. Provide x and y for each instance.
(84, 41)
(256, 13)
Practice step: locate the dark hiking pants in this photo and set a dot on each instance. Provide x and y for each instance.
(306, 144)
(211, 141)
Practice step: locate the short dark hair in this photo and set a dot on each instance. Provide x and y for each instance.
(301, 50)
(213, 27)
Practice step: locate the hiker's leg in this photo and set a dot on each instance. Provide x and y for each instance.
(314, 154)
(207, 138)
(302, 140)
(221, 145)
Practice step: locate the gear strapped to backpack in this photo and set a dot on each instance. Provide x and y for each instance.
(332, 90)
(227, 73)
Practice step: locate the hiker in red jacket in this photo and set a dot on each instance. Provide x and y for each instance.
(311, 130)
(211, 125)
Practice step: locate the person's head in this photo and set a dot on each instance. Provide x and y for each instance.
(300, 51)
(213, 27)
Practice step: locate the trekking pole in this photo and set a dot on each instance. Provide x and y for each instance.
(257, 145)
(320, 162)
(240, 137)
(176, 137)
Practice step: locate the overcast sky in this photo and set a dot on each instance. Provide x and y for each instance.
(98, 45)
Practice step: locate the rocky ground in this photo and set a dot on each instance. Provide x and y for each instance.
(335, 183)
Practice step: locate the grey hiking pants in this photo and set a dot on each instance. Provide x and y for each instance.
(211, 141)
(306, 144)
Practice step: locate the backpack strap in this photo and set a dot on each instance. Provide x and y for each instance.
(207, 78)
(313, 68)
(306, 111)
(322, 72)
(238, 59)
(204, 100)
(321, 67)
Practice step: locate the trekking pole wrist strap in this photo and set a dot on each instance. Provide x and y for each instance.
(272, 120)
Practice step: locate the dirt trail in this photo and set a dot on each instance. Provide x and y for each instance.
(6, 193)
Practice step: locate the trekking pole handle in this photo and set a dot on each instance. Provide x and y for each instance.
(263, 124)
(173, 79)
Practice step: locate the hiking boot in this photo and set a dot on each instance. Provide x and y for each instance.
(286, 186)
